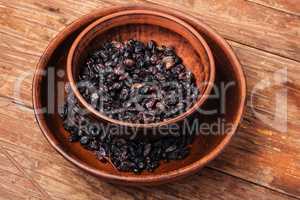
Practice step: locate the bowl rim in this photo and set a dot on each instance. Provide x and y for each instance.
(196, 105)
(149, 179)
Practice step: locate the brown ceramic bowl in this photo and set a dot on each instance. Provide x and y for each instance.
(145, 25)
(203, 150)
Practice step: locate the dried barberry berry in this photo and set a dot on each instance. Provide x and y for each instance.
(135, 82)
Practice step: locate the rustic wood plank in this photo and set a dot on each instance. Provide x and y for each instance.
(68, 182)
(28, 177)
(16, 74)
(288, 6)
(249, 24)
(78, 185)
(12, 195)
(258, 66)
(27, 136)
(274, 153)
(258, 154)
(49, 16)
(16, 187)
(236, 20)
(54, 13)
(15, 26)
(7, 165)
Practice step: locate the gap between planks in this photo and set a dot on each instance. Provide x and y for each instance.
(16, 164)
(155, 3)
(273, 8)
(265, 51)
(16, 101)
(254, 183)
(227, 39)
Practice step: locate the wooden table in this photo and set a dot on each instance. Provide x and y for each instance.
(262, 161)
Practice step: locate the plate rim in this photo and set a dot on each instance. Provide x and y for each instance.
(146, 179)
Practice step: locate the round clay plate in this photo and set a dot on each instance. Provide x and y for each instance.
(205, 147)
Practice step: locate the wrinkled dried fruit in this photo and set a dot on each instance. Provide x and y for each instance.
(120, 71)
(135, 82)
(168, 61)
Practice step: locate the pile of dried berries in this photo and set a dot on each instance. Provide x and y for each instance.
(125, 154)
(136, 82)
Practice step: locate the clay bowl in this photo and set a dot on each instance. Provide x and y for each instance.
(203, 150)
(145, 25)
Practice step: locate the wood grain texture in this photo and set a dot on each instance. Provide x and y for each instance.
(287, 6)
(224, 183)
(260, 163)
(13, 183)
(246, 23)
(207, 184)
(274, 153)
